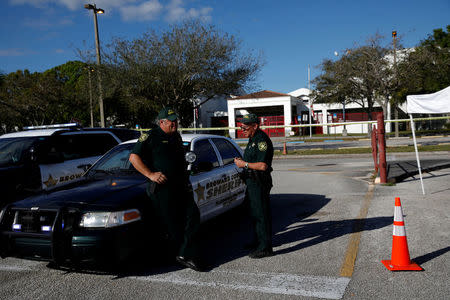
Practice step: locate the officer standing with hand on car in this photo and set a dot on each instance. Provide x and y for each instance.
(159, 155)
(257, 164)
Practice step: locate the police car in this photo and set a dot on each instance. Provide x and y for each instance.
(105, 216)
(44, 157)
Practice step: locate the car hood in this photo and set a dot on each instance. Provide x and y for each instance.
(109, 192)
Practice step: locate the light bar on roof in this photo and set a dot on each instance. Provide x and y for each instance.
(67, 125)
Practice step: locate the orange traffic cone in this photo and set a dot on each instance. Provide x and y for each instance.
(400, 260)
(284, 149)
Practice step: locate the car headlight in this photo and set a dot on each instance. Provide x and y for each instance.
(2, 212)
(109, 219)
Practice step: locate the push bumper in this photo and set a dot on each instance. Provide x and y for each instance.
(68, 243)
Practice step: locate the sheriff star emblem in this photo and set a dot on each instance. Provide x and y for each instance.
(200, 191)
(262, 146)
(143, 137)
(50, 181)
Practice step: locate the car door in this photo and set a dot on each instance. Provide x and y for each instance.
(236, 187)
(207, 179)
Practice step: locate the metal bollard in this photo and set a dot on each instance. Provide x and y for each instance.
(374, 148)
(381, 148)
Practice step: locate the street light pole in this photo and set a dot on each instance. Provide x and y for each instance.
(96, 11)
(344, 130)
(309, 102)
(394, 37)
(90, 69)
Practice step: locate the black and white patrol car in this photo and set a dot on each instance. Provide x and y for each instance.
(105, 216)
(44, 157)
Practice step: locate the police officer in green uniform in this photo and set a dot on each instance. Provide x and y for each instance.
(159, 155)
(257, 164)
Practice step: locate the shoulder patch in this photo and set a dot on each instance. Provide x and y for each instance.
(143, 137)
(262, 146)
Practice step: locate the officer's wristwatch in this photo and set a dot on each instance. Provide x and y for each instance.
(246, 165)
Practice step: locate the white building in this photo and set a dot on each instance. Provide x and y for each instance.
(275, 108)
(329, 113)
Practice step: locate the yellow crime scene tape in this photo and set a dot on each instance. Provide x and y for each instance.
(307, 125)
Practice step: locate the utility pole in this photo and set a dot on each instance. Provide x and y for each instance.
(97, 48)
(309, 103)
(394, 42)
(90, 69)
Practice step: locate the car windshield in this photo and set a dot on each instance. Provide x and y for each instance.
(13, 150)
(115, 161)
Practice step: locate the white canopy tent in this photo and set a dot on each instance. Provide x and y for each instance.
(436, 103)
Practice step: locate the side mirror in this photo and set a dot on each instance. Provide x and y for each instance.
(190, 158)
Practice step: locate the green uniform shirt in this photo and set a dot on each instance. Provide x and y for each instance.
(163, 153)
(259, 149)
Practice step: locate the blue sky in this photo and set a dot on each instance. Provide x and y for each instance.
(291, 34)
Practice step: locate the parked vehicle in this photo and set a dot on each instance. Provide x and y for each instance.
(106, 215)
(44, 157)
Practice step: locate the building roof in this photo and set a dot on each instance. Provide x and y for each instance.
(300, 92)
(260, 94)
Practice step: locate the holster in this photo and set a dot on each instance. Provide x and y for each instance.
(262, 178)
(151, 187)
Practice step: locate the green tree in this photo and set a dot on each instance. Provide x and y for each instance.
(363, 75)
(189, 61)
(54, 96)
(426, 69)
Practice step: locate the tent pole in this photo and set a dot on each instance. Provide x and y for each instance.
(417, 152)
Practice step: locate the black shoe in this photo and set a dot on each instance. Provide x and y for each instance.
(261, 253)
(189, 263)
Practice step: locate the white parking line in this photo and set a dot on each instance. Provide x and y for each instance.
(17, 265)
(270, 283)
(14, 268)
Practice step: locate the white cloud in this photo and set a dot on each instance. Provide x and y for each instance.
(148, 10)
(75, 4)
(131, 10)
(70, 4)
(176, 12)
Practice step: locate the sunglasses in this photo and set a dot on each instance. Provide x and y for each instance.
(245, 128)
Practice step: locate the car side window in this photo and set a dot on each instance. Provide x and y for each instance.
(77, 146)
(206, 156)
(116, 160)
(226, 150)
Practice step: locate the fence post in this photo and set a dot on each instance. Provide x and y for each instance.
(374, 148)
(381, 148)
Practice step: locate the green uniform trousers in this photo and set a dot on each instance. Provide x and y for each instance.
(178, 217)
(259, 204)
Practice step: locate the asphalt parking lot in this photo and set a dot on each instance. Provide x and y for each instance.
(332, 228)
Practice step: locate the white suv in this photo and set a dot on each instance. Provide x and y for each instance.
(41, 159)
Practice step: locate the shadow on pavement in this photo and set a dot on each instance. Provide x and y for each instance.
(296, 219)
(318, 232)
(427, 257)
